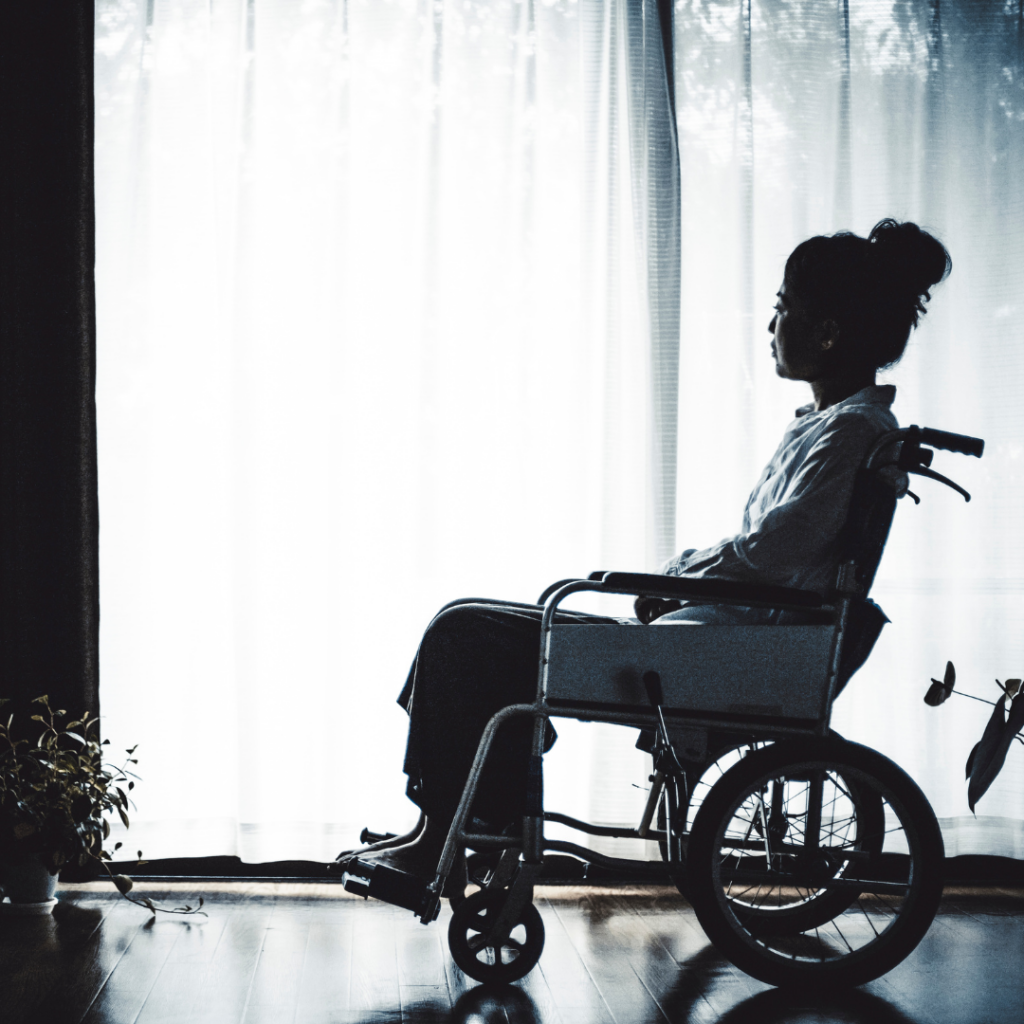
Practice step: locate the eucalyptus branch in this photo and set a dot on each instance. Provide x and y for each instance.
(960, 693)
(124, 886)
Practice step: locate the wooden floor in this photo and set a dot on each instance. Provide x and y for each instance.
(311, 954)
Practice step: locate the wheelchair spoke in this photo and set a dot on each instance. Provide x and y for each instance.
(730, 883)
(754, 902)
(841, 935)
(762, 899)
(867, 916)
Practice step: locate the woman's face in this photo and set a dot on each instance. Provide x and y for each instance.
(801, 347)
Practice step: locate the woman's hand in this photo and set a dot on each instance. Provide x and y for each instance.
(647, 609)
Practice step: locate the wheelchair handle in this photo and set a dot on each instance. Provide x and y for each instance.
(655, 692)
(950, 442)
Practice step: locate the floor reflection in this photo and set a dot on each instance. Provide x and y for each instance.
(705, 978)
(854, 1006)
(484, 1004)
(491, 1005)
(511, 1005)
(641, 960)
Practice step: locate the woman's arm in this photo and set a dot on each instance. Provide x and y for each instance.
(797, 534)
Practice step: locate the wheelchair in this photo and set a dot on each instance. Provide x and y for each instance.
(811, 860)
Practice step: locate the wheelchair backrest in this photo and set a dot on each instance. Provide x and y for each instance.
(868, 521)
(881, 479)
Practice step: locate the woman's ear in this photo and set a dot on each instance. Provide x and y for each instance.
(828, 335)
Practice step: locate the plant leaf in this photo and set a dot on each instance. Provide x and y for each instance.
(990, 753)
(970, 760)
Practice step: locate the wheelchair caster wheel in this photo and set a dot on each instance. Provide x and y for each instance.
(513, 959)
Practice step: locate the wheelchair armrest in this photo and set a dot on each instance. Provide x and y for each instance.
(710, 591)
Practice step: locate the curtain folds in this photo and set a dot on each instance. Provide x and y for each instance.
(376, 294)
(403, 300)
(654, 152)
(798, 118)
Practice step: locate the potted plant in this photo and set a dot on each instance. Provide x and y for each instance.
(56, 795)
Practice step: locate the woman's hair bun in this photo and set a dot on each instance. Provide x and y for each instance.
(874, 288)
(910, 262)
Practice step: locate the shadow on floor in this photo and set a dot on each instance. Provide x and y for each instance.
(511, 1005)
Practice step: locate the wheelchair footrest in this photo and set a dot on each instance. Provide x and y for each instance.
(389, 885)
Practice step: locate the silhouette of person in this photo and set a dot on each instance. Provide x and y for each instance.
(844, 310)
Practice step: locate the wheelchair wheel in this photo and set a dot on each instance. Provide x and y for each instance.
(467, 939)
(840, 910)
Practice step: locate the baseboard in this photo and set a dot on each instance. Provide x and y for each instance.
(973, 870)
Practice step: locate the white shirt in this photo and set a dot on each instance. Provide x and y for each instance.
(796, 510)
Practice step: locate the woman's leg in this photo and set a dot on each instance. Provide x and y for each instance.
(473, 660)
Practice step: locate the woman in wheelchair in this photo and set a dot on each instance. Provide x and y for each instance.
(844, 311)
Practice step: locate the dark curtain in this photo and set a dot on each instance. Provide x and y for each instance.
(49, 604)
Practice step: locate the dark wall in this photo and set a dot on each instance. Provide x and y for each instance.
(49, 604)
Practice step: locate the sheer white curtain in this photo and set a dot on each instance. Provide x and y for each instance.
(394, 299)
(377, 293)
(798, 117)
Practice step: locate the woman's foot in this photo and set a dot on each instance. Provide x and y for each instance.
(385, 844)
(418, 857)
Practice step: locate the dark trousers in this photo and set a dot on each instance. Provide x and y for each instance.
(473, 660)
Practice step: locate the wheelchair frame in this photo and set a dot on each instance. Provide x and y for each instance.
(522, 856)
(532, 842)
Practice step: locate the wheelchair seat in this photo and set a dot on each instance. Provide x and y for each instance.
(729, 672)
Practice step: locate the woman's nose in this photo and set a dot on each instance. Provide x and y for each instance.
(771, 326)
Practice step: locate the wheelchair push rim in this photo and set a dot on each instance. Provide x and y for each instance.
(849, 910)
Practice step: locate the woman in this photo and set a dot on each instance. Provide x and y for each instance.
(844, 311)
